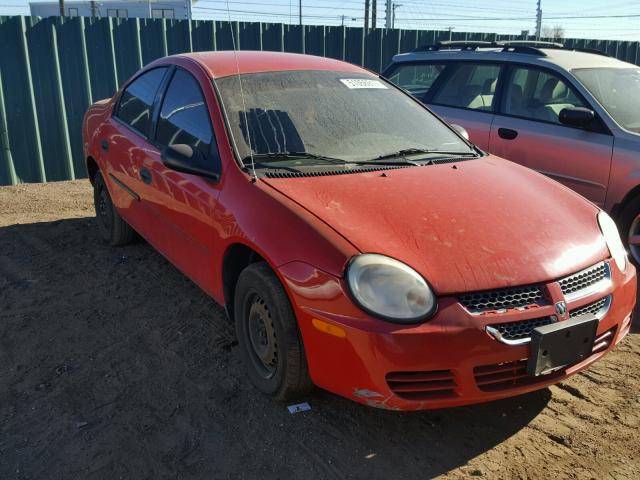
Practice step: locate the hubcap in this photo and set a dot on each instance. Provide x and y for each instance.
(633, 239)
(262, 337)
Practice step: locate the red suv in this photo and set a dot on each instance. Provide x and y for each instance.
(358, 242)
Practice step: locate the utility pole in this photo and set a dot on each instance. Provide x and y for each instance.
(61, 3)
(374, 13)
(393, 14)
(539, 20)
(93, 9)
(450, 30)
(366, 14)
(387, 14)
(300, 12)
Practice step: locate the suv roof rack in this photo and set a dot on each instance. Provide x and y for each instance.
(531, 47)
(461, 44)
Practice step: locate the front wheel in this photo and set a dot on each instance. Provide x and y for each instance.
(268, 334)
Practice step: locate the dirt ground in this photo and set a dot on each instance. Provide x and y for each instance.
(114, 365)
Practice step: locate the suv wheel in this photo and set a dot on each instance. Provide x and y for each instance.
(629, 225)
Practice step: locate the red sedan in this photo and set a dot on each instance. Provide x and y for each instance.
(358, 242)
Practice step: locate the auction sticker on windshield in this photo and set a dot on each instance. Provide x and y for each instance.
(362, 83)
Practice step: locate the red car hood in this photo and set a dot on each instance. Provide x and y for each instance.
(473, 225)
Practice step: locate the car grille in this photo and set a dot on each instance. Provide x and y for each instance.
(508, 375)
(517, 332)
(583, 282)
(597, 308)
(432, 385)
(506, 299)
(574, 286)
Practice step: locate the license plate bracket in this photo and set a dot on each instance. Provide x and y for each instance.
(561, 344)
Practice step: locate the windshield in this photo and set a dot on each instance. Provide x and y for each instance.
(617, 90)
(341, 116)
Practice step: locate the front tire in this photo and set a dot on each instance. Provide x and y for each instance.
(113, 229)
(268, 334)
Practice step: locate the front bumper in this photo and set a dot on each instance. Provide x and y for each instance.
(448, 361)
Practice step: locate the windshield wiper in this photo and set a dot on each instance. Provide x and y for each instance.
(263, 159)
(416, 151)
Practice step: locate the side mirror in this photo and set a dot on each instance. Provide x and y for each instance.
(186, 159)
(461, 130)
(576, 116)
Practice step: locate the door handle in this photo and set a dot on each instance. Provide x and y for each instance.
(145, 175)
(507, 133)
(104, 145)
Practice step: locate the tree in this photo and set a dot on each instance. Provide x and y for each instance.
(556, 32)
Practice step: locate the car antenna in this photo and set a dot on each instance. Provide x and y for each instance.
(254, 177)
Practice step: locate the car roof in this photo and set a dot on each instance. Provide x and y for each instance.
(563, 58)
(228, 62)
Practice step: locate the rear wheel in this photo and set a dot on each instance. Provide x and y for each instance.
(268, 334)
(113, 229)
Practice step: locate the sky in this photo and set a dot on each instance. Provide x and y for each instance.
(598, 19)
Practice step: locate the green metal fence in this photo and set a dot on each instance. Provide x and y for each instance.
(51, 69)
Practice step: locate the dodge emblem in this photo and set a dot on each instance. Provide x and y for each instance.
(561, 308)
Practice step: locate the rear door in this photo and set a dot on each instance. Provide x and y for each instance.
(126, 142)
(460, 92)
(466, 95)
(527, 131)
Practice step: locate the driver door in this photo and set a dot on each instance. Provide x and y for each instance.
(527, 130)
(184, 203)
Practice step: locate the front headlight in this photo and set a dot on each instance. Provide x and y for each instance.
(612, 237)
(389, 289)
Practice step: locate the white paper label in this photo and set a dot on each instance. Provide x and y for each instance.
(300, 407)
(362, 83)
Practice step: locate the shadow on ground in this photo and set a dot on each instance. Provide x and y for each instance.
(114, 365)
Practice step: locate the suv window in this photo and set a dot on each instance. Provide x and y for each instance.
(184, 117)
(417, 79)
(472, 85)
(538, 95)
(135, 106)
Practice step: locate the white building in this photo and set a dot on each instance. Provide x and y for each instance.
(179, 9)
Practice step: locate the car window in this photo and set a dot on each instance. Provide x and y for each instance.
(417, 79)
(617, 90)
(472, 85)
(135, 106)
(184, 117)
(538, 95)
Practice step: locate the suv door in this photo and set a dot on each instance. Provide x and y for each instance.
(527, 131)
(466, 95)
(185, 203)
(125, 141)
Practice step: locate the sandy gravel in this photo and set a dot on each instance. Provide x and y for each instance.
(114, 365)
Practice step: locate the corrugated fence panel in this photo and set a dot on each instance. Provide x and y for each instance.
(76, 85)
(153, 40)
(49, 97)
(272, 37)
(51, 69)
(23, 129)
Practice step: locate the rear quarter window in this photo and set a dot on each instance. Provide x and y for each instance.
(136, 102)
